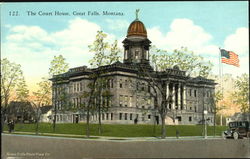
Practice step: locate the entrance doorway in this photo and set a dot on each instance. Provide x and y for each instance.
(157, 120)
(75, 118)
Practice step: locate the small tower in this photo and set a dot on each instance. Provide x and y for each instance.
(136, 45)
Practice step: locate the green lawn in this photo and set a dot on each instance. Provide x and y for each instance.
(117, 130)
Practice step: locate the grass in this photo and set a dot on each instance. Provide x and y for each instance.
(117, 130)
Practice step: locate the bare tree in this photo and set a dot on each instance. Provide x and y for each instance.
(161, 100)
(105, 54)
(57, 66)
(42, 97)
(11, 75)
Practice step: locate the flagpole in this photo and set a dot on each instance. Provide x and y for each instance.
(221, 79)
(220, 72)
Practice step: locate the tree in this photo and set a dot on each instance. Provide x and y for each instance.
(104, 54)
(11, 74)
(22, 92)
(22, 95)
(114, 54)
(216, 97)
(161, 60)
(41, 97)
(187, 61)
(241, 94)
(161, 100)
(21, 110)
(57, 66)
(225, 106)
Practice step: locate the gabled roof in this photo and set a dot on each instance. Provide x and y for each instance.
(45, 109)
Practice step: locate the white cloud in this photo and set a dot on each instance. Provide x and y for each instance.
(117, 24)
(80, 32)
(183, 33)
(34, 48)
(238, 42)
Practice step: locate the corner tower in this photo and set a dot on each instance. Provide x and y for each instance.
(136, 44)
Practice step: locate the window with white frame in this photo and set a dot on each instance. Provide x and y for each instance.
(121, 100)
(130, 101)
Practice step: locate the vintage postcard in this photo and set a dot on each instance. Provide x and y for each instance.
(125, 79)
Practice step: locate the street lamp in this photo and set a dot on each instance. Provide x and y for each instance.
(205, 132)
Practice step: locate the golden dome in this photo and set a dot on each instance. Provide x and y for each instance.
(137, 28)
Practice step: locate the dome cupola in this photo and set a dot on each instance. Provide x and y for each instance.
(136, 44)
(137, 28)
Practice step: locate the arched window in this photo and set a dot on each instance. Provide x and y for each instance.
(147, 55)
(136, 54)
(126, 55)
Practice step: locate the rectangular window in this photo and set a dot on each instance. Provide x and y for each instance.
(108, 83)
(120, 116)
(103, 101)
(102, 116)
(126, 54)
(179, 118)
(121, 100)
(190, 92)
(111, 116)
(190, 118)
(79, 102)
(126, 101)
(195, 93)
(76, 102)
(146, 55)
(74, 86)
(126, 116)
(136, 54)
(81, 86)
(126, 83)
(109, 102)
(142, 88)
(112, 81)
(131, 116)
(120, 83)
(107, 116)
(149, 116)
(130, 101)
(77, 84)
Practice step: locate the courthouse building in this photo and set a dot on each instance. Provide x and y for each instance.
(131, 99)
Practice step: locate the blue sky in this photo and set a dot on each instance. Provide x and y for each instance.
(32, 41)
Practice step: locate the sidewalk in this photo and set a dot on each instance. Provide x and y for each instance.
(113, 138)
